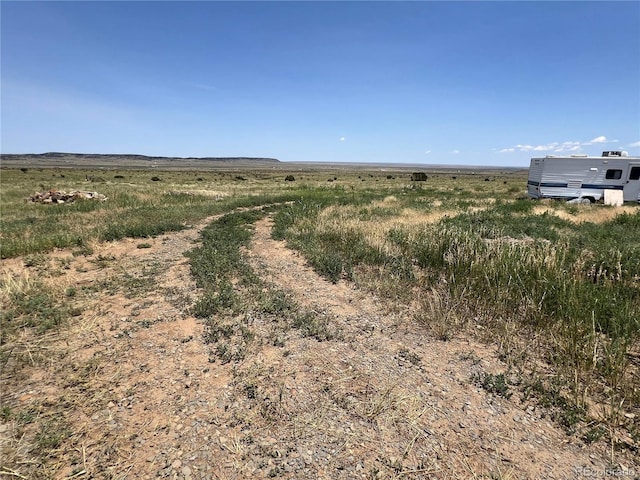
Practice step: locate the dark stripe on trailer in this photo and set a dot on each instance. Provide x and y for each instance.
(584, 186)
(605, 187)
(553, 185)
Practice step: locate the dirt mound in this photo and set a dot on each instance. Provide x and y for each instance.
(60, 196)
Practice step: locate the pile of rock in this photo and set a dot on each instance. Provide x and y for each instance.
(59, 196)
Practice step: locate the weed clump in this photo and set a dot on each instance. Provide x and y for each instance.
(494, 383)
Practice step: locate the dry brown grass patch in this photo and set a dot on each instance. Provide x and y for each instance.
(375, 230)
(585, 213)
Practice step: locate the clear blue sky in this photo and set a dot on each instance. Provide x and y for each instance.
(488, 83)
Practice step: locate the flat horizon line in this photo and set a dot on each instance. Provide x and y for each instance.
(330, 163)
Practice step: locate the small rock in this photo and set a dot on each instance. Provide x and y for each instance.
(176, 464)
(186, 471)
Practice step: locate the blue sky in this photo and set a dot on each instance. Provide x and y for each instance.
(481, 83)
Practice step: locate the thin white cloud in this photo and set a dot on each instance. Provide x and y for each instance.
(530, 148)
(342, 139)
(524, 148)
(454, 152)
(543, 148)
(568, 148)
(427, 152)
(556, 147)
(571, 146)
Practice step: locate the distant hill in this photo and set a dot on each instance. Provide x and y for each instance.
(64, 159)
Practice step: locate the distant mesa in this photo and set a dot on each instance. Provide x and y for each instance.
(124, 156)
(53, 159)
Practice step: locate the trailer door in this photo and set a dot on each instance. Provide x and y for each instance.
(632, 187)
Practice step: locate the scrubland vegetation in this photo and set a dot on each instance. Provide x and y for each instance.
(560, 295)
(555, 286)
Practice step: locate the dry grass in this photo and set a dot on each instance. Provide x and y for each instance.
(583, 213)
(15, 283)
(367, 222)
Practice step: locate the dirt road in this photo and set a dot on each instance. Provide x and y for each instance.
(134, 392)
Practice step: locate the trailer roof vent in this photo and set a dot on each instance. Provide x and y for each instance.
(615, 153)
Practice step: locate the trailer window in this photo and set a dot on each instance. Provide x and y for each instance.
(635, 173)
(613, 174)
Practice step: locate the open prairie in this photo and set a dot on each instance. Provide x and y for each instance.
(295, 321)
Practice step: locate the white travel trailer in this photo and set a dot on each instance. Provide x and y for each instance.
(584, 178)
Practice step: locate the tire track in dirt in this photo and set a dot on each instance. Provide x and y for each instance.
(382, 399)
(130, 377)
(422, 412)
